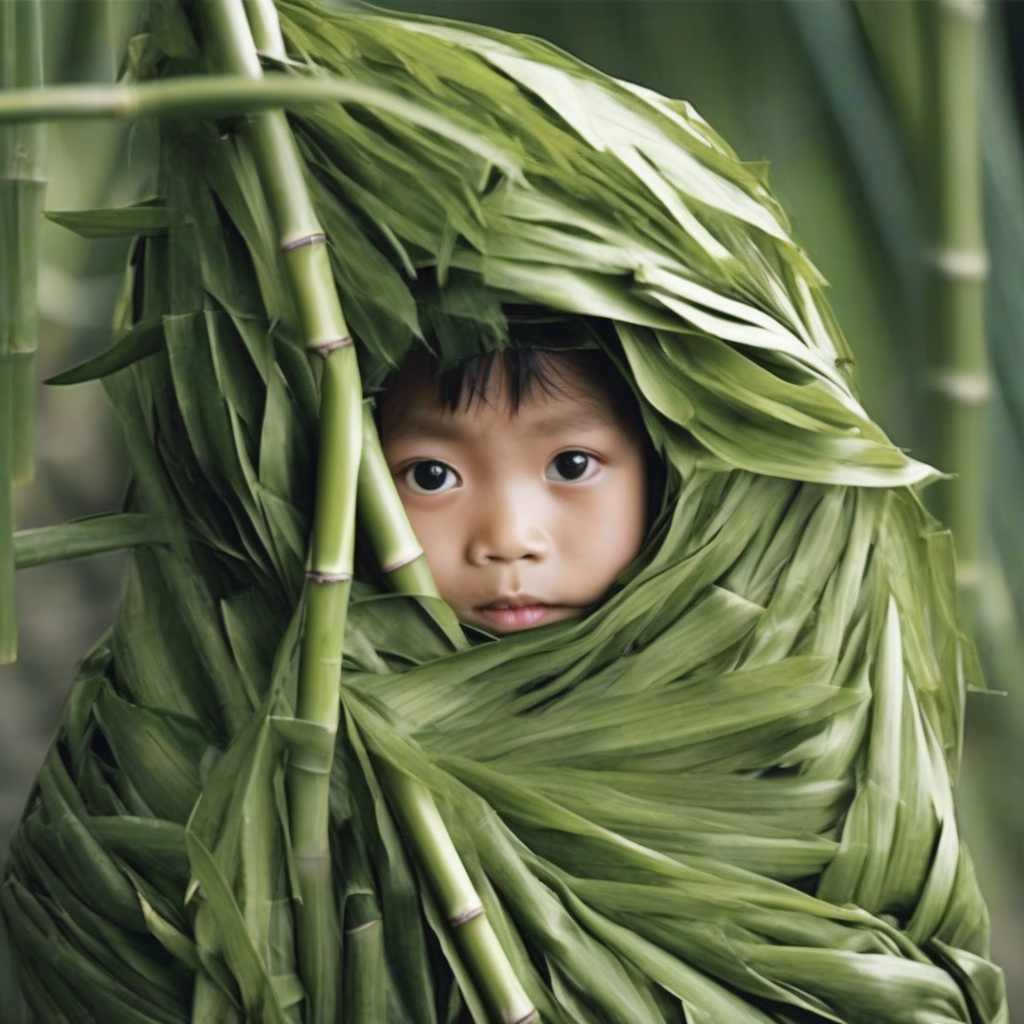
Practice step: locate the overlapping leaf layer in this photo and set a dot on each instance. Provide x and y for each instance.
(723, 796)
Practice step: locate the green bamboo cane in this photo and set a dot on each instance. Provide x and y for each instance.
(22, 188)
(8, 288)
(401, 557)
(395, 544)
(322, 327)
(341, 436)
(325, 332)
(391, 535)
(225, 95)
(959, 379)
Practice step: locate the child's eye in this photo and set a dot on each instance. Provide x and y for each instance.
(431, 477)
(572, 466)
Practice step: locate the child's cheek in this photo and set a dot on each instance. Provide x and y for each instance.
(435, 525)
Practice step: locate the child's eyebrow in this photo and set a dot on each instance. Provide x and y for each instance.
(583, 417)
(456, 428)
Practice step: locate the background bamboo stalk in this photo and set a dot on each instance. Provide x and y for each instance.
(22, 189)
(958, 267)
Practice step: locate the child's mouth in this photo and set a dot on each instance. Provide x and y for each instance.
(520, 617)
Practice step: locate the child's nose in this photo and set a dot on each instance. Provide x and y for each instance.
(508, 530)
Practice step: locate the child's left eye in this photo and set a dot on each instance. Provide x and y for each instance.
(571, 466)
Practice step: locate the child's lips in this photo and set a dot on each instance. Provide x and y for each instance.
(516, 614)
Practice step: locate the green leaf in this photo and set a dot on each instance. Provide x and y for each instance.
(123, 222)
(144, 339)
(94, 535)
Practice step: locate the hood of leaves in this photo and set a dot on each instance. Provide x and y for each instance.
(723, 796)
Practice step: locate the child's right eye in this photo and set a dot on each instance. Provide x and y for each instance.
(431, 477)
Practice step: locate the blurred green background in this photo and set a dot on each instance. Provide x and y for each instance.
(827, 92)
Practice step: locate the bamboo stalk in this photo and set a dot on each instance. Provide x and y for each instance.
(22, 188)
(322, 327)
(230, 94)
(459, 901)
(380, 509)
(365, 962)
(959, 379)
(401, 556)
(26, 167)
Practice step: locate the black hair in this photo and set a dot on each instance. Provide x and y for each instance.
(528, 370)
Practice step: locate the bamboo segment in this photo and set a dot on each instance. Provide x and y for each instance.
(340, 442)
(397, 548)
(8, 622)
(365, 968)
(22, 187)
(401, 556)
(459, 900)
(381, 512)
(266, 29)
(324, 332)
(959, 266)
(25, 176)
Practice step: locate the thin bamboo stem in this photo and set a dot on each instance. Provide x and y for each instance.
(22, 188)
(26, 168)
(397, 548)
(365, 963)
(226, 95)
(959, 379)
(188, 95)
(459, 900)
(382, 515)
(266, 29)
(400, 555)
(322, 326)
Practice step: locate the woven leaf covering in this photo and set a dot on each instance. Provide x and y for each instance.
(723, 796)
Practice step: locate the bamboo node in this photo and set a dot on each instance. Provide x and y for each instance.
(328, 577)
(297, 243)
(961, 264)
(325, 348)
(530, 1018)
(469, 915)
(402, 562)
(365, 926)
(967, 387)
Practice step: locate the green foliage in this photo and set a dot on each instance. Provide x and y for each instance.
(725, 794)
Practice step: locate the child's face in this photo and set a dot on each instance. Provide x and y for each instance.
(527, 516)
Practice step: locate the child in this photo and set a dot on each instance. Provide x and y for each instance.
(524, 476)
